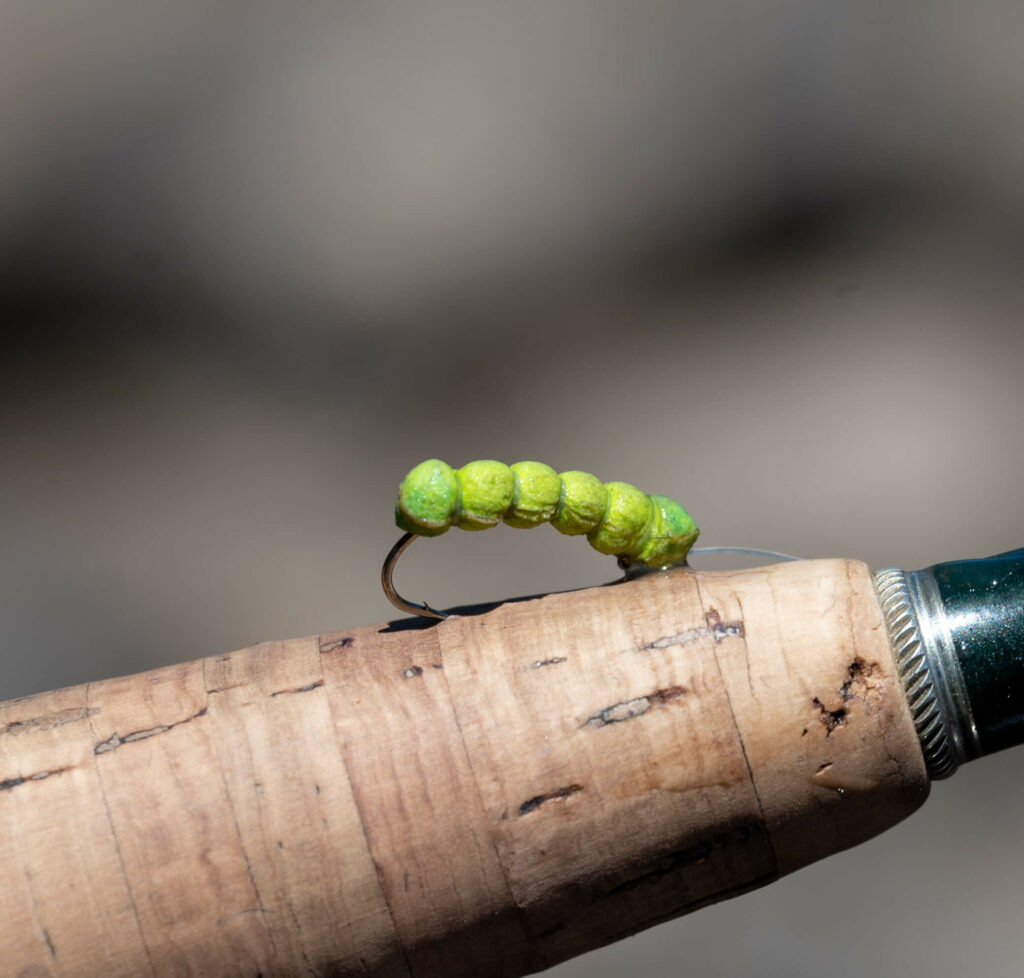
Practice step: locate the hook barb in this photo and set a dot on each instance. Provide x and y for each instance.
(393, 596)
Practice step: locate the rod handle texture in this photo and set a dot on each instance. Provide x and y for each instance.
(486, 796)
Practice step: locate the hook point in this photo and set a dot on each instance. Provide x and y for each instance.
(393, 596)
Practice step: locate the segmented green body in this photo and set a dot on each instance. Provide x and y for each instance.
(616, 517)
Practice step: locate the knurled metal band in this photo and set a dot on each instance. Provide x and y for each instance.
(918, 680)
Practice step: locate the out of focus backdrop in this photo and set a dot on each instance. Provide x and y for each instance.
(766, 257)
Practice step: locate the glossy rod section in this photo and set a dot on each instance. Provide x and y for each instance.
(958, 633)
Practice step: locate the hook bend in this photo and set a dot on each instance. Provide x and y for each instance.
(393, 596)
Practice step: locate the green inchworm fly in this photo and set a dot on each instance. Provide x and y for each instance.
(644, 532)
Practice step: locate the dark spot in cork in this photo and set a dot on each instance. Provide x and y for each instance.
(855, 684)
(628, 709)
(559, 794)
(713, 628)
(116, 740)
(8, 783)
(831, 718)
(299, 689)
(335, 643)
(49, 721)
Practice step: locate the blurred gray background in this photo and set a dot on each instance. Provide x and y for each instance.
(765, 257)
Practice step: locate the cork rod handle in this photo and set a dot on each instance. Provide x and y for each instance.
(485, 797)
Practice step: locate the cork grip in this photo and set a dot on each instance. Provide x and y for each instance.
(486, 796)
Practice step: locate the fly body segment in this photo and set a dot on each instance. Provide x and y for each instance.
(617, 518)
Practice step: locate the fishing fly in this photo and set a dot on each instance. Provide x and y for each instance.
(644, 532)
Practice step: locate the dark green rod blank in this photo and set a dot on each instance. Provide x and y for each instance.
(957, 630)
(984, 608)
